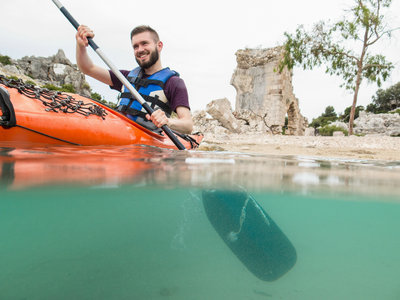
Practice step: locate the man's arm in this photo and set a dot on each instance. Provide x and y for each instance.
(183, 123)
(83, 60)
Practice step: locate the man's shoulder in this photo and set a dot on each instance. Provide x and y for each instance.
(175, 81)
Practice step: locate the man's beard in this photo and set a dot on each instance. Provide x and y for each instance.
(154, 55)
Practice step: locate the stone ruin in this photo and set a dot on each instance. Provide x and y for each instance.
(264, 98)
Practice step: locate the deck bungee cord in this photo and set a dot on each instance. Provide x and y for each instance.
(54, 100)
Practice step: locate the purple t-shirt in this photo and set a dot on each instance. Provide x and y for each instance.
(174, 89)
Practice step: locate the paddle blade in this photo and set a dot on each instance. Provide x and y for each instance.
(250, 233)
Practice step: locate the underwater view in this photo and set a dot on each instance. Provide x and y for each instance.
(140, 222)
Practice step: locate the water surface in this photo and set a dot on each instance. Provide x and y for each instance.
(130, 223)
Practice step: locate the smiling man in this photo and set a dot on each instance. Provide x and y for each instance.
(162, 88)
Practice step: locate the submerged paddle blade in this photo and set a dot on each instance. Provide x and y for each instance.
(250, 233)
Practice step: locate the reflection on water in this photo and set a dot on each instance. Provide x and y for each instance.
(139, 222)
(143, 165)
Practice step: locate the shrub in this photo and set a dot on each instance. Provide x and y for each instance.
(325, 118)
(346, 115)
(329, 129)
(386, 100)
(96, 96)
(30, 82)
(5, 60)
(68, 88)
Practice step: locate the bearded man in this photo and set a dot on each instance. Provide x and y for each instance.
(162, 88)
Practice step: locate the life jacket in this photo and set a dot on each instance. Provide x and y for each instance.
(151, 89)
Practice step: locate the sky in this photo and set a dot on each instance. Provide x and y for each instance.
(200, 40)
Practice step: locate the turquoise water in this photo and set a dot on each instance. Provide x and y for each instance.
(130, 223)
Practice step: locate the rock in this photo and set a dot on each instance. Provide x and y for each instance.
(309, 131)
(60, 58)
(252, 122)
(383, 124)
(56, 70)
(338, 133)
(265, 92)
(340, 124)
(205, 124)
(220, 110)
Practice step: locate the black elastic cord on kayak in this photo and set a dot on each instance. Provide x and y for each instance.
(46, 135)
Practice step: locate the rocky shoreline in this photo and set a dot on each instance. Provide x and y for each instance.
(370, 147)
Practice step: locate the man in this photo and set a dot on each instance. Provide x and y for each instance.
(162, 88)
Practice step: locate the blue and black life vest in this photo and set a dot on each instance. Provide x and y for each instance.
(151, 89)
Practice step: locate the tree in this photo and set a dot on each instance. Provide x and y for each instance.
(329, 112)
(385, 100)
(346, 115)
(325, 118)
(332, 45)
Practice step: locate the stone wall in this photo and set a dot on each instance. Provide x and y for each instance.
(265, 93)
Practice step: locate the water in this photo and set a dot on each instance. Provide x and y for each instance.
(131, 223)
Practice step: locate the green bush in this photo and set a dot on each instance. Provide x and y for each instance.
(13, 77)
(96, 96)
(386, 100)
(5, 60)
(329, 129)
(68, 88)
(325, 118)
(30, 82)
(346, 115)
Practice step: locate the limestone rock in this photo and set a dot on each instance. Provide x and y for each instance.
(56, 70)
(383, 124)
(205, 124)
(265, 92)
(340, 124)
(220, 110)
(338, 133)
(309, 131)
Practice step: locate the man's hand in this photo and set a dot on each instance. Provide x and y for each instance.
(83, 34)
(158, 117)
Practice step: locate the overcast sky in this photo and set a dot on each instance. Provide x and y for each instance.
(200, 40)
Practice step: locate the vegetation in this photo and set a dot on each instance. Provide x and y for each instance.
(68, 88)
(99, 98)
(345, 117)
(362, 27)
(13, 77)
(385, 100)
(30, 82)
(5, 60)
(328, 130)
(326, 118)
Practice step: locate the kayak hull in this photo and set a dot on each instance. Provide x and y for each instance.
(36, 124)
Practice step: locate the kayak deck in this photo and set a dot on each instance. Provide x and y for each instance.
(39, 119)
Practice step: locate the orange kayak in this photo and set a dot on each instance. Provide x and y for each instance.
(34, 116)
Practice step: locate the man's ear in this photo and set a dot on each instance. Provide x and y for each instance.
(160, 45)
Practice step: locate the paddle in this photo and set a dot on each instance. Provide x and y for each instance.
(119, 75)
(250, 233)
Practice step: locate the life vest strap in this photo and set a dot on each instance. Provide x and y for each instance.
(139, 82)
(154, 101)
(125, 109)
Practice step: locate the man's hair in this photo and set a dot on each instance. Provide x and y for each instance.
(145, 28)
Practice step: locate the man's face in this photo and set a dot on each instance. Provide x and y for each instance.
(146, 49)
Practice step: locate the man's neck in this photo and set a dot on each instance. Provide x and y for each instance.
(153, 69)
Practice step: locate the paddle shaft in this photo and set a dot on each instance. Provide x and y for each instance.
(119, 75)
